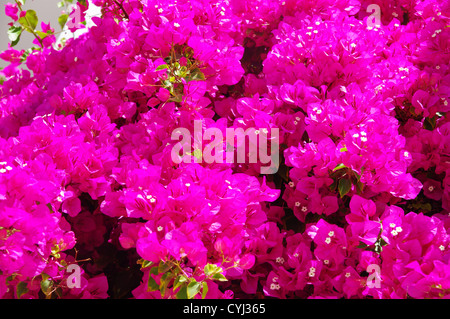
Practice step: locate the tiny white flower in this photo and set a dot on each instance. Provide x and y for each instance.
(295, 254)
(2, 170)
(441, 247)
(149, 196)
(256, 132)
(353, 45)
(315, 31)
(297, 204)
(152, 200)
(398, 229)
(445, 102)
(291, 184)
(176, 25)
(311, 274)
(159, 228)
(304, 209)
(392, 225)
(312, 269)
(274, 279)
(187, 184)
(160, 10)
(331, 233)
(297, 118)
(328, 240)
(431, 188)
(265, 131)
(347, 275)
(364, 139)
(8, 168)
(394, 233)
(355, 135)
(326, 261)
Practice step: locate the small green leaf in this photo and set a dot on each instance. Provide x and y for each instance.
(344, 187)
(219, 277)
(340, 166)
(204, 289)
(182, 294)
(211, 269)
(361, 245)
(196, 75)
(29, 21)
(62, 20)
(154, 270)
(21, 289)
(152, 285)
(163, 267)
(14, 34)
(179, 281)
(193, 289)
(146, 263)
(164, 282)
(359, 187)
(162, 67)
(46, 285)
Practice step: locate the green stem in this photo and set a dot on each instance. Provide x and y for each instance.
(28, 22)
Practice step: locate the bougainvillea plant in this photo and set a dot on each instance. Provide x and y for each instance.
(92, 204)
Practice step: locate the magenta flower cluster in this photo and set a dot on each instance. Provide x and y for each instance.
(87, 179)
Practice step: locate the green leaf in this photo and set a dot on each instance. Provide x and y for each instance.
(162, 67)
(359, 187)
(361, 245)
(29, 21)
(46, 285)
(163, 267)
(21, 289)
(164, 282)
(344, 187)
(204, 289)
(43, 35)
(182, 294)
(196, 75)
(14, 34)
(211, 269)
(154, 270)
(340, 166)
(152, 285)
(219, 277)
(429, 123)
(179, 281)
(193, 289)
(62, 20)
(146, 263)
